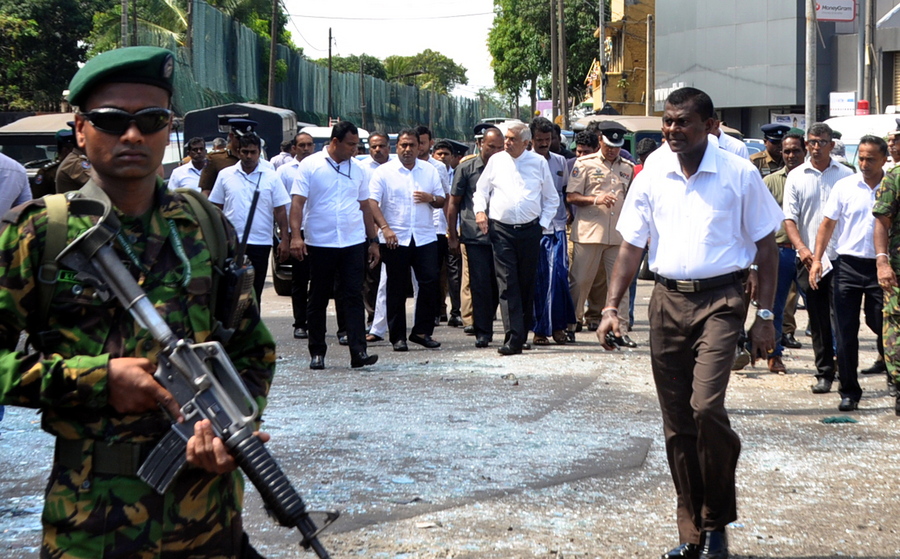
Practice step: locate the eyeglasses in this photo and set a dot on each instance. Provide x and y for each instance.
(818, 143)
(117, 121)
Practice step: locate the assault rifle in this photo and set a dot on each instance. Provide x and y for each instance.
(201, 377)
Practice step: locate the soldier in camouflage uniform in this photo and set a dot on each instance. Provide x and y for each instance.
(887, 261)
(92, 374)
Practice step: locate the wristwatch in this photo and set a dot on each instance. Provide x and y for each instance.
(372, 240)
(765, 314)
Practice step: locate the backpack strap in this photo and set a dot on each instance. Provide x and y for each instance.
(56, 238)
(209, 217)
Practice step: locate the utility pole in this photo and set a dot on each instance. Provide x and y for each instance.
(601, 56)
(811, 35)
(273, 51)
(124, 23)
(134, 35)
(650, 87)
(867, 15)
(189, 35)
(862, 65)
(329, 77)
(554, 63)
(362, 92)
(563, 67)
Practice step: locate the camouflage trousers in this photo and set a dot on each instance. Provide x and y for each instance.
(89, 515)
(891, 333)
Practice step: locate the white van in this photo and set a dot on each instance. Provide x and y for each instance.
(852, 128)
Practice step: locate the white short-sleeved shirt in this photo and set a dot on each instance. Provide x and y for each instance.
(516, 191)
(703, 226)
(732, 144)
(850, 205)
(332, 216)
(392, 186)
(14, 180)
(440, 218)
(805, 193)
(234, 190)
(281, 159)
(185, 176)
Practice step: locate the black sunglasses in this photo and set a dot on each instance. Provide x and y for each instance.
(117, 121)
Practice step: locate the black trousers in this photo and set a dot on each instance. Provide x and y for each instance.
(818, 307)
(299, 290)
(259, 258)
(424, 262)
(342, 270)
(516, 252)
(483, 285)
(855, 283)
(370, 290)
(454, 281)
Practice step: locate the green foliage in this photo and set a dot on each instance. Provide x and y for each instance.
(40, 50)
(350, 64)
(429, 70)
(519, 43)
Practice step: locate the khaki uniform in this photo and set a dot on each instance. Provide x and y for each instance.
(44, 182)
(73, 172)
(765, 163)
(594, 237)
(218, 160)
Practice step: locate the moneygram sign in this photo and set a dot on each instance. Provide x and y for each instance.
(836, 10)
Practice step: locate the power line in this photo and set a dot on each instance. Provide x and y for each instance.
(391, 18)
(297, 29)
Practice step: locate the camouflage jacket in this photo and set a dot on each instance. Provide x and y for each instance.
(68, 381)
(887, 203)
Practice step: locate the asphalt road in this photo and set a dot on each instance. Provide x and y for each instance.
(459, 452)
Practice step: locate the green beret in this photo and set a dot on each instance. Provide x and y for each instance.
(149, 65)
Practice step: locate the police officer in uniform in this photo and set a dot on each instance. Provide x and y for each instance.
(44, 181)
(73, 171)
(769, 160)
(92, 374)
(227, 158)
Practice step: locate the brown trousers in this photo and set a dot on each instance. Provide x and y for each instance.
(692, 343)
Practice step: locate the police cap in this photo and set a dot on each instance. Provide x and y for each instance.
(897, 130)
(243, 126)
(774, 132)
(612, 133)
(459, 148)
(480, 128)
(148, 65)
(65, 136)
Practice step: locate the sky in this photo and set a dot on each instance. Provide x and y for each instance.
(382, 28)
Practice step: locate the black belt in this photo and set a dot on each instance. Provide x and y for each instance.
(121, 459)
(696, 286)
(785, 245)
(531, 223)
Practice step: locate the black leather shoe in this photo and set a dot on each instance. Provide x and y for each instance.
(300, 334)
(317, 362)
(362, 359)
(424, 341)
(592, 326)
(877, 368)
(848, 404)
(578, 327)
(788, 340)
(437, 321)
(455, 321)
(401, 346)
(897, 406)
(683, 551)
(506, 349)
(822, 387)
(624, 341)
(570, 337)
(526, 346)
(714, 545)
(482, 341)
(469, 330)
(343, 340)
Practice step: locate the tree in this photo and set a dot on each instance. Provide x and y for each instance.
(429, 70)
(350, 64)
(40, 50)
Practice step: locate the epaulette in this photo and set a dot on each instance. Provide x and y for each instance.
(468, 157)
(14, 215)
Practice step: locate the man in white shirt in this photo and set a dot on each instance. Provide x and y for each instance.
(286, 154)
(403, 194)
(234, 191)
(379, 151)
(330, 204)
(708, 216)
(375, 285)
(553, 306)
(303, 147)
(14, 187)
(848, 211)
(188, 175)
(805, 192)
(515, 200)
(730, 143)
(426, 143)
